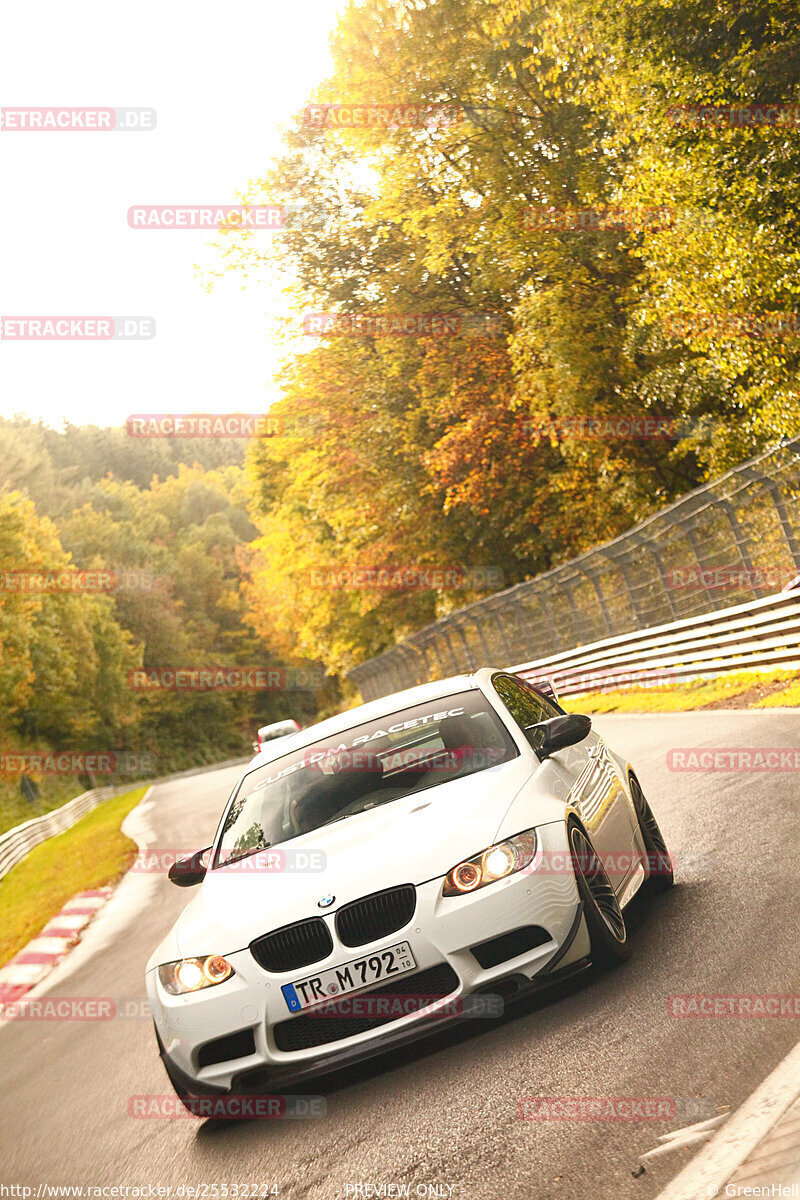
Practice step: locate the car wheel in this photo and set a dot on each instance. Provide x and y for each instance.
(661, 875)
(601, 910)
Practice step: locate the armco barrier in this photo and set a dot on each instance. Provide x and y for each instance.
(764, 633)
(17, 842)
(727, 547)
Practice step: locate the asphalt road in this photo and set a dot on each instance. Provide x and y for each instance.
(445, 1114)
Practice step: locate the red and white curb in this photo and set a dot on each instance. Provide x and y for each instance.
(30, 966)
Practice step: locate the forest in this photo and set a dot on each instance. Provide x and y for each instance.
(541, 275)
(120, 559)
(543, 268)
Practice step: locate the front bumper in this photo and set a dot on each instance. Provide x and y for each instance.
(442, 930)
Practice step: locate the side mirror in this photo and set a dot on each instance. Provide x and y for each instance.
(186, 872)
(558, 732)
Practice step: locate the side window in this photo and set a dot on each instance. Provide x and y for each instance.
(527, 706)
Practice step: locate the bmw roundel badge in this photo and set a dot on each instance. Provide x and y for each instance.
(325, 901)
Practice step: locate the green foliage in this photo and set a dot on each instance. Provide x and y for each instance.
(66, 659)
(472, 449)
(53, 467)
(92, 854)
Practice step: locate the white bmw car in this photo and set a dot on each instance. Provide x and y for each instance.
(379, 873)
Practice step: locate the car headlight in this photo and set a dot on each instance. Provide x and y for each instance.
(192, 974)
(495, 863)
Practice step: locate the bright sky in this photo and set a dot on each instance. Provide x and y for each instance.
(223, 80)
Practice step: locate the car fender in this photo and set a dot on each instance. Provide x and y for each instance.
(542, 800)
(166, 951)
(625, 768)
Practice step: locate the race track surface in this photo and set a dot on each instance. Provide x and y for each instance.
(445, 1114)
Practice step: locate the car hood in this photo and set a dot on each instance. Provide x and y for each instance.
(411, 840)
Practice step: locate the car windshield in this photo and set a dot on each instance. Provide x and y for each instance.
(362, 767)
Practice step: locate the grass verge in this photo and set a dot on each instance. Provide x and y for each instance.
(54, 790)
(739, 689)
(93, 853)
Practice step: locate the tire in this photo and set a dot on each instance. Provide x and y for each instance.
(661, 877)
(602, 913)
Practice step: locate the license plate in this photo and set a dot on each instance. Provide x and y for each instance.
(338, 981)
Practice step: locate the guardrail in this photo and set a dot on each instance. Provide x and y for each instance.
(19, 841)
(763, 633)
(732, 541)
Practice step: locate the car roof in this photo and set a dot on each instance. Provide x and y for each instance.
(373, 709)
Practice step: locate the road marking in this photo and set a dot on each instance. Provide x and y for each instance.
(21, 975)
(689, 1135)
(46, 945)
(711, 1169)
(72, 920)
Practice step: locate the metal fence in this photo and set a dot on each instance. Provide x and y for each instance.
(761, 633)
(734, 540)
